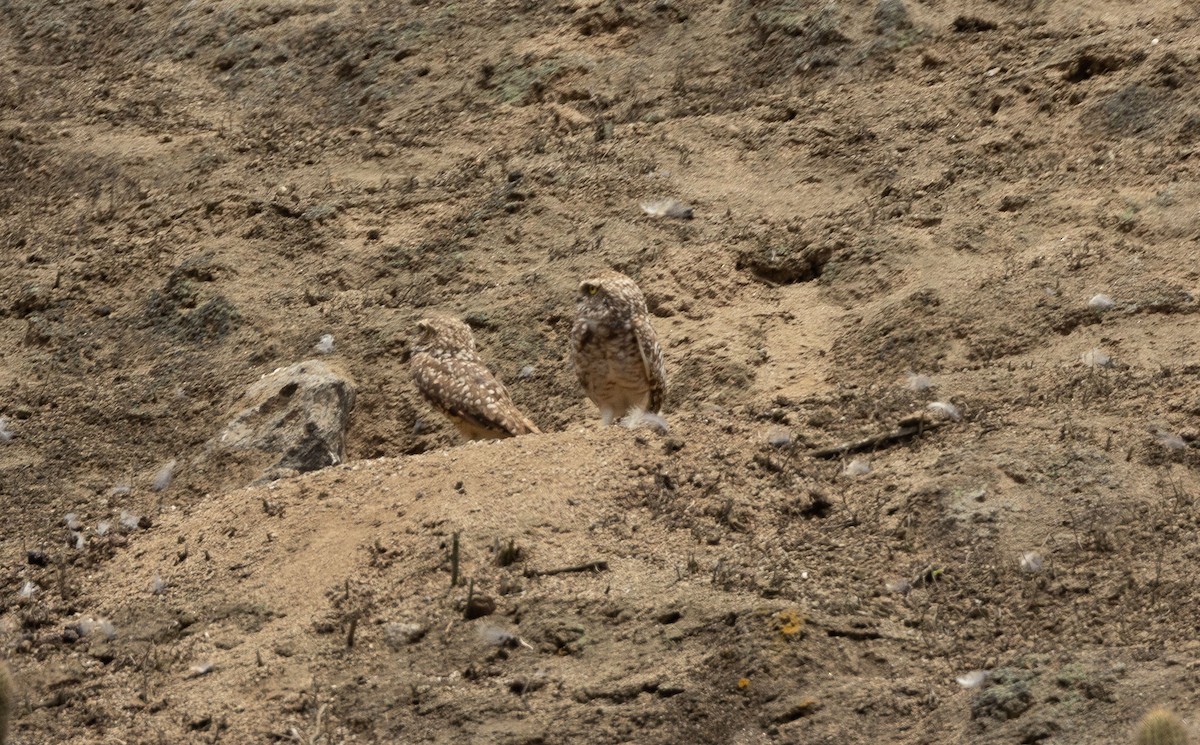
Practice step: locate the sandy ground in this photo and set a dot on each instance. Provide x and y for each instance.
(895, 204)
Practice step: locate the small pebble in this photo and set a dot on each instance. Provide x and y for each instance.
(946, 409)
(1101, 302)
(325, 345)
(401, 634)
(779, 438)
(858, 467)
(164, 476)
(129, 521)
(195, 671)
(1170, 440)
(638, 419)
(1031, 561)
(919, 383)
(479, 606)
(97, 627)
(497, 637)
(973, 679)
(1096, 358)
(667, 208)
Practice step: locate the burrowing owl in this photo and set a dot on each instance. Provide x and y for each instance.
(615, 350)
(451, 376)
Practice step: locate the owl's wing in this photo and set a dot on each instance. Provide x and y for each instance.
(652, 361)
(581, 336)
(469, 391)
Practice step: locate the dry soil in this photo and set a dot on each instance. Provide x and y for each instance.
(895, 204)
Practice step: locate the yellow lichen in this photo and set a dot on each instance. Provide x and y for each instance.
(789, 623)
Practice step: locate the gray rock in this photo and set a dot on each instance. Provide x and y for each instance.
(891, 15)
(297, 415)
(1008, 696)
(398, 635)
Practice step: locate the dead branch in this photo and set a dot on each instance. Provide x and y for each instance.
(908, 428)
(591, 566)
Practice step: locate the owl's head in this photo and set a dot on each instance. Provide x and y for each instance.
(609, 291)
(443, 335)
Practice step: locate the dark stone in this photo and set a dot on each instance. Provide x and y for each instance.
(892, 15)
(479, 606)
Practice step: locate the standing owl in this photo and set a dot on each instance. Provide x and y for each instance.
(451, 376)
(614, 348)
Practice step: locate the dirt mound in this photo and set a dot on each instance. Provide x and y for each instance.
(893, 205)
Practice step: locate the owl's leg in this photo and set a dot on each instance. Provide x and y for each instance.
(607, 415)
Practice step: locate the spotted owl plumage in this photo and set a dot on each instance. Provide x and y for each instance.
(614, 348)
(452, 377)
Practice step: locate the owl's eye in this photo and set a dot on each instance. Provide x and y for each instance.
(592, 290)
